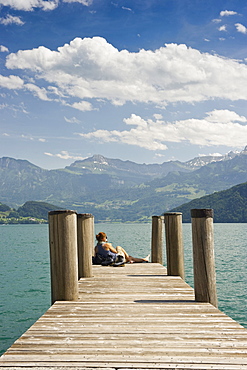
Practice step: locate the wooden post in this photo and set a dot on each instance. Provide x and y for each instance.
(157, 239)
(174, 244)
(85, 238)
(63, 255)
(203, 256)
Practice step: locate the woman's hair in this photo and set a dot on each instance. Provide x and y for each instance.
(100, 236)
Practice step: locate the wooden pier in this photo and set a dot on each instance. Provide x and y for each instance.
(138, 316)
(131, 317)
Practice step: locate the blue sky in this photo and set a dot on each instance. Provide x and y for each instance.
(146, 81)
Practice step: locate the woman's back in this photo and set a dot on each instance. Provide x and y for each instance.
(103, 252)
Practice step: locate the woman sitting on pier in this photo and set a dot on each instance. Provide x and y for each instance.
(118, 254)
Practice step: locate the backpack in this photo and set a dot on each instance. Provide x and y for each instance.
(100, 260)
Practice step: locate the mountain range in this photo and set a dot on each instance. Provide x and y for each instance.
(118, 190)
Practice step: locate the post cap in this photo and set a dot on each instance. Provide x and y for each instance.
(85, 215)
(172, 213)
(61, 211)
(201, 213)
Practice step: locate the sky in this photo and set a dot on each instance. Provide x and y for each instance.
(142, 80)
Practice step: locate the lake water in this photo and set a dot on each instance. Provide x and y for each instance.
(25, 271)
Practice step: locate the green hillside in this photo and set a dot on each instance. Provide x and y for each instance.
(4, 208)
(36, 209)
(228, 205)
(30, 212)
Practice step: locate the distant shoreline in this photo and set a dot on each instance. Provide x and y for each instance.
(45, 222)
(28, 221)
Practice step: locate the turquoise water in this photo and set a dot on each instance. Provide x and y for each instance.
(25, 271)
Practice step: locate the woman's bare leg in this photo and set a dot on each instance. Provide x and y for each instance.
(134, 259)
(131, 259)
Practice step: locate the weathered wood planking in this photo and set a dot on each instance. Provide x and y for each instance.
(132, 317)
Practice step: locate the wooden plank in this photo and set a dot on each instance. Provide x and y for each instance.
(126, 359)
(126, 366)
(139, 347)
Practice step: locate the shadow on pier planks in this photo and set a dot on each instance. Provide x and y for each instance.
(132, 317)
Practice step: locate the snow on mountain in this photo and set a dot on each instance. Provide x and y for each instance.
(206, 159)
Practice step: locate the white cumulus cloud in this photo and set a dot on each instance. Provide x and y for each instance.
(11, 82)
(217, 20)
(241, 28)
(225, 116)
(16, 83)
(83, 2)
(226, 13)
(222, 28)
(3, 49)
(91, 68)
(125, 8)
(29, 5)
(3, 106)
(64, 155)
(37, 91)
(83, 106)
(158, 116)
(46, 5)
(155, 134)
(71, 120)
(10, 19)
(210, 154)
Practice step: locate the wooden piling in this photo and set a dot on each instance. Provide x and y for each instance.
(85, 239)
(203, 256)
(63, 255)
(174, 244)
(157, 239)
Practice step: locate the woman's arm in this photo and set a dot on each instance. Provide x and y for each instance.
(109, 247)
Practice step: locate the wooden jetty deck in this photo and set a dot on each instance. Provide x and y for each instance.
(132, 317)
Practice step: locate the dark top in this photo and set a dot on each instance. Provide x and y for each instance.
(102, 252)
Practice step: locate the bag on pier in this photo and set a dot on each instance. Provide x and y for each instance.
(106, 261)
(100, 260)
(97, 259)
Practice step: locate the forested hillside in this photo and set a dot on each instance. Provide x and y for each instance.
(30, 212)
(228, 205)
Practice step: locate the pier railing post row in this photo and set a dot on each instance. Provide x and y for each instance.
(174, 244)
(157, 239)
(203, 256)
(63, 255)
(85, 239)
